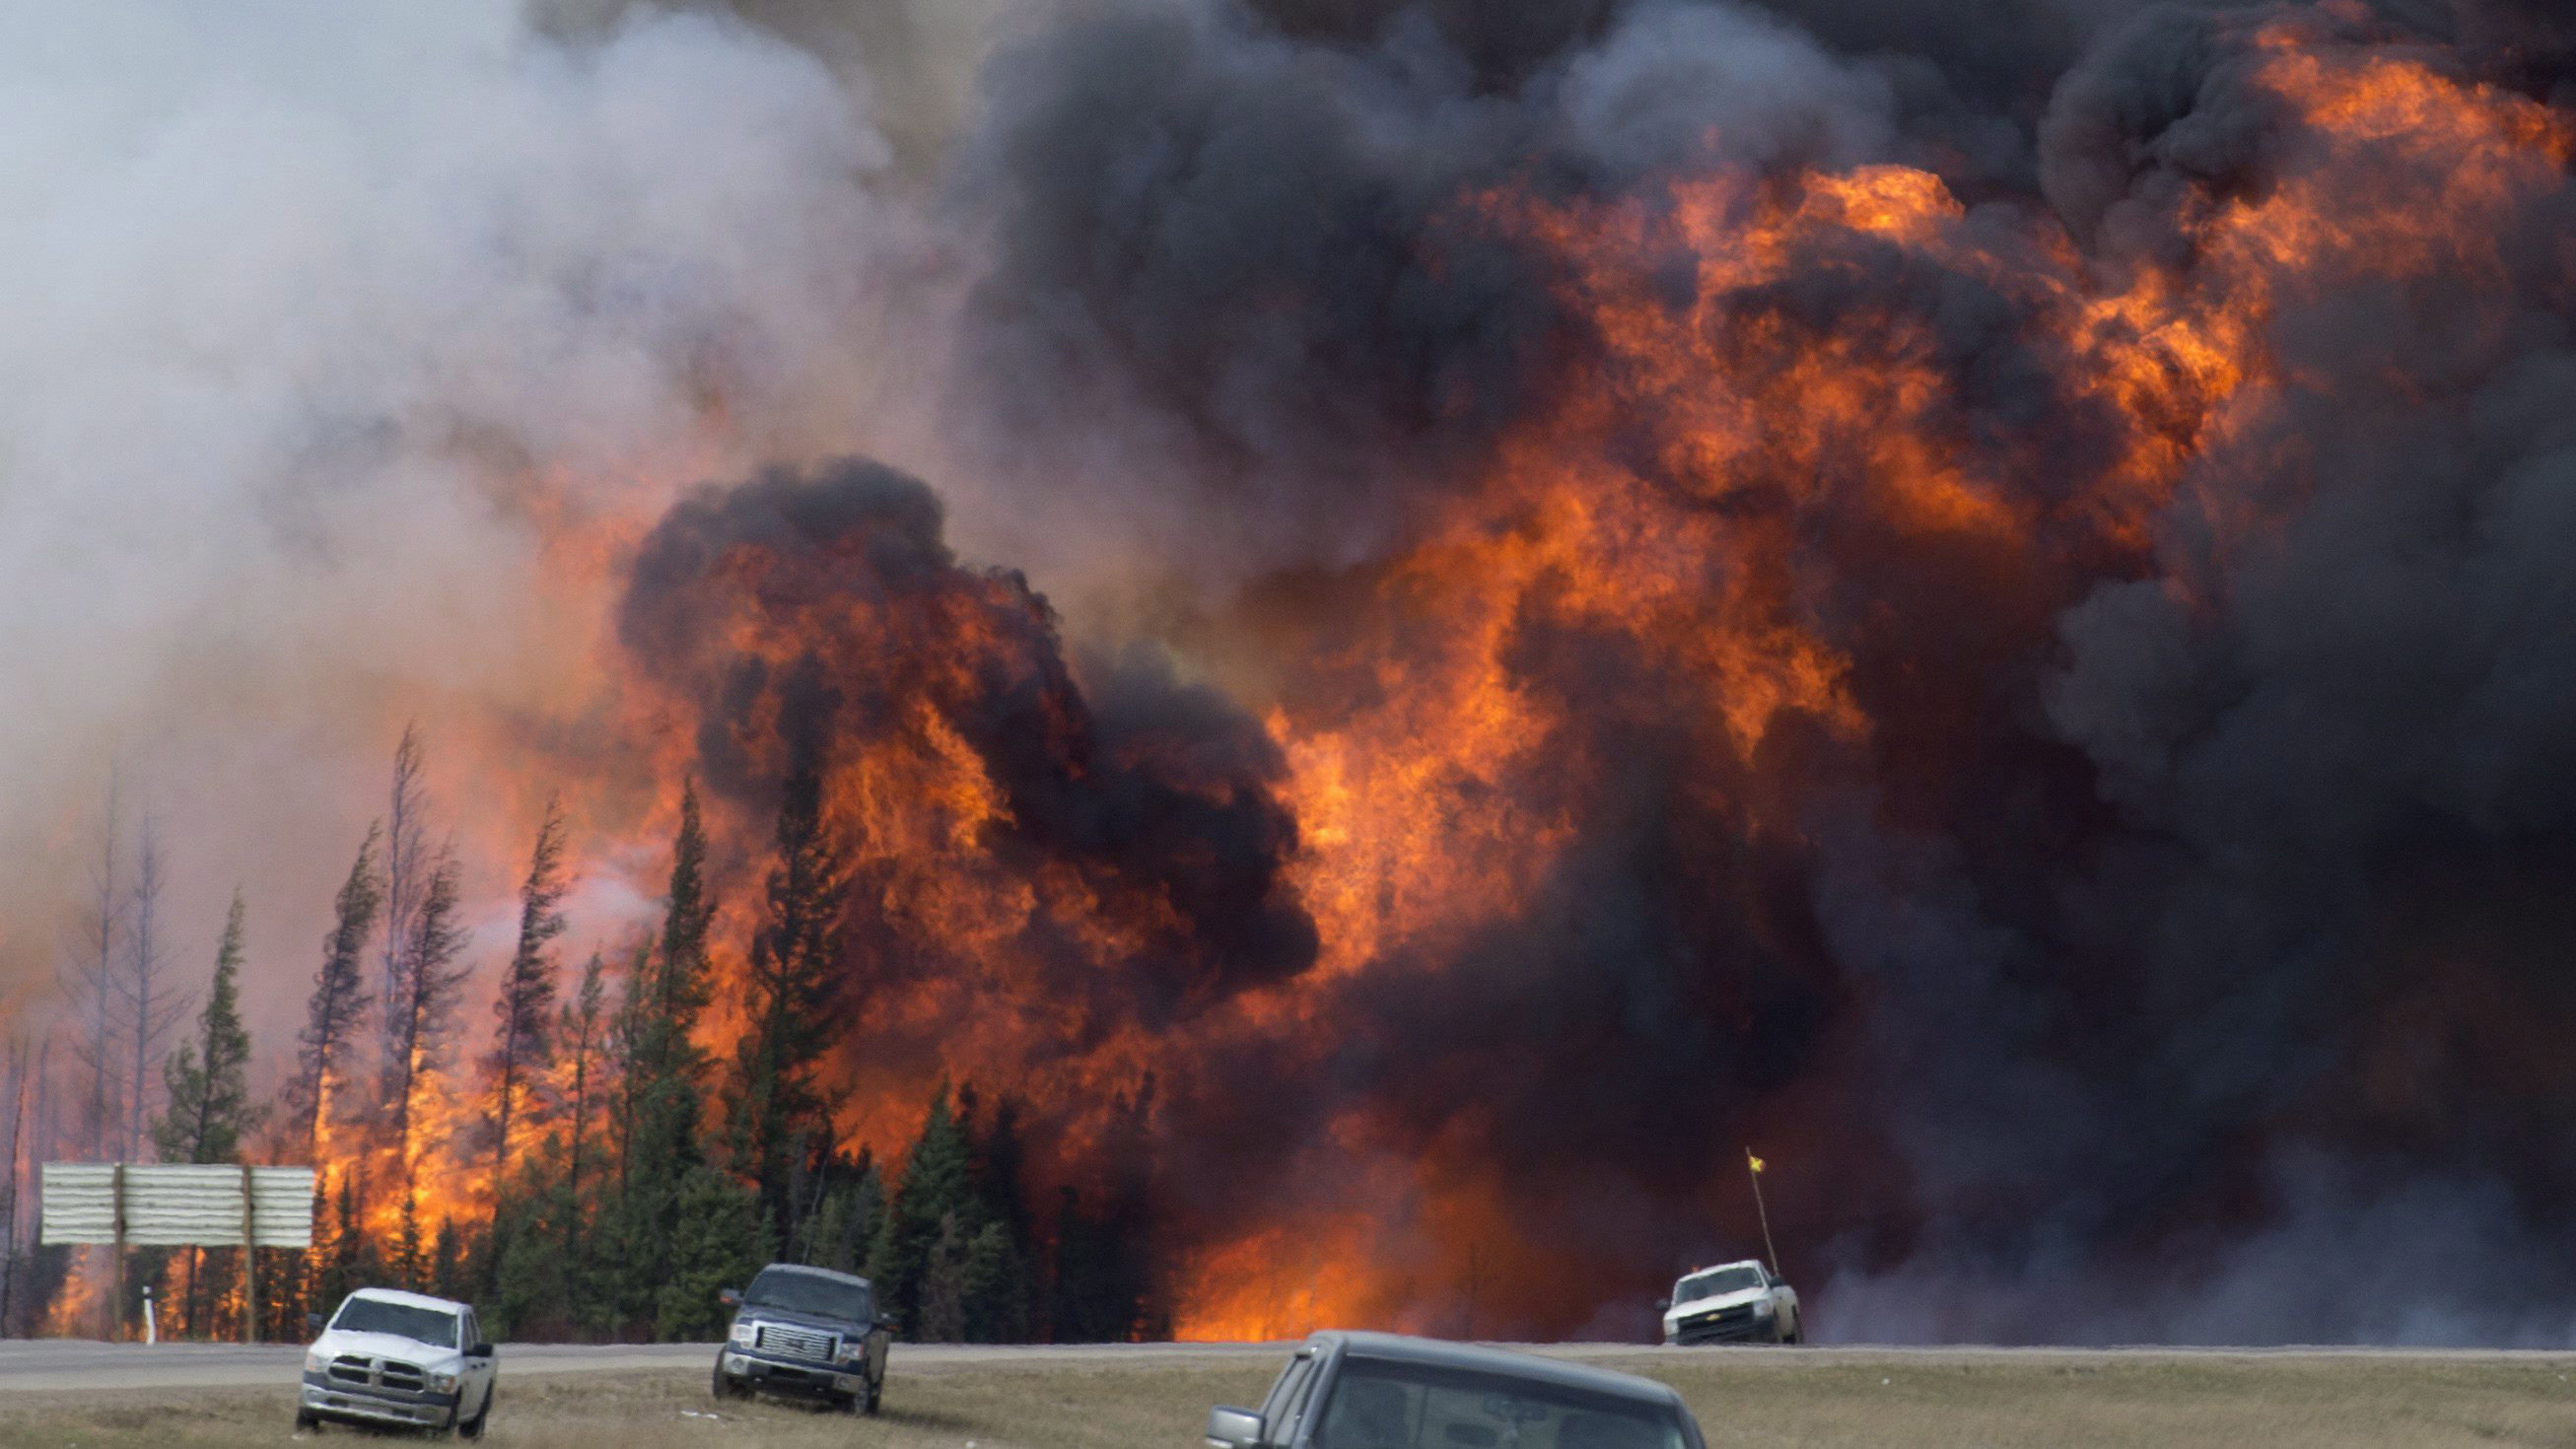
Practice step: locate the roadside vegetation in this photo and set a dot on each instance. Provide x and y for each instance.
(1791, 1399)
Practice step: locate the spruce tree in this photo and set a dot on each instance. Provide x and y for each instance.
(936, 1189)
(582, 1031)
(339, 1001)
(210, 1110)
(662, 1079)
(526, 1002)
(718, 1243)
(777, 1104)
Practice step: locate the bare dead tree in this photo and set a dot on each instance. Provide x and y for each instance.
(149, 1004)
(87, 980)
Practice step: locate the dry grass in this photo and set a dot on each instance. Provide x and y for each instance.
(1796, 1399)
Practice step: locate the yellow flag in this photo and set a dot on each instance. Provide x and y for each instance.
(1756, 1161)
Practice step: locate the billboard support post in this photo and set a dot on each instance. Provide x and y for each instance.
(250, 1266)
(116, 1269)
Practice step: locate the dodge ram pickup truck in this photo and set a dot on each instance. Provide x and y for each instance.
(1730, 1302)
(394, 1359)
(1382, 1391)
(805, 1333)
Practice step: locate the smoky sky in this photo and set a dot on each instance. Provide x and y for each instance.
(2225, 930)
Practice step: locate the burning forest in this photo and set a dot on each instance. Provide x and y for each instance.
(1211, 667)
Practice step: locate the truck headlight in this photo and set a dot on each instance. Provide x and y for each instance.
(443, 1383)
(852, 1351)
(315, 1361)
(743, 1329)
(1765, 1308)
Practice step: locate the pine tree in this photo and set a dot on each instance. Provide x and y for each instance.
(210, 1110)
(207, 1080)
(583, 1030)
(527, 994)
(936, 1188)
(719, 1242)
(406, 826)
(777, 1104)
(662, 1080)
(339, 1001)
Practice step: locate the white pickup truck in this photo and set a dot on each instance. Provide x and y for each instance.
(1730, 1302)
(393, 1359)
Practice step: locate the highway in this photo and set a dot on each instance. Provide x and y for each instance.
(54, 1363)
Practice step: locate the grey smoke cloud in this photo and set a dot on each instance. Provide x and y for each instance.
(319, 324)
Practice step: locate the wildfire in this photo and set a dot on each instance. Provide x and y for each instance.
(1823, 457)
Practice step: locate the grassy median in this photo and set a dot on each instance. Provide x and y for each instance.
(1815, 1398)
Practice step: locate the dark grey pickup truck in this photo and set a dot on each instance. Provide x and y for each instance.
(1381, 1391)
(806, 1333)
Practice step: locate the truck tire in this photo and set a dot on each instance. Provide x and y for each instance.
(473, 1428)
(307, 1419)
(876, 1396)
(725, 1387)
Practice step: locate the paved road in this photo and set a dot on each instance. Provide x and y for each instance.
(36, 1364)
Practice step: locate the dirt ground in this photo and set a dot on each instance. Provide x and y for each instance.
(1809, 1398)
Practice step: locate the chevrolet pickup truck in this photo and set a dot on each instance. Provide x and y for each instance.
(1732, 1302)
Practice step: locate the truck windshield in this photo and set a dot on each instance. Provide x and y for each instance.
(1377, 1404)
(1717, 1284)
(402, 1320)
(811, 1293)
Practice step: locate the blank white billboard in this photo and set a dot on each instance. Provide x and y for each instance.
(176, 1205)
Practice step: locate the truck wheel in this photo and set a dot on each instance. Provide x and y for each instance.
(725, 1387)
(473, 1428)
(876, 1396)
(307, 1419)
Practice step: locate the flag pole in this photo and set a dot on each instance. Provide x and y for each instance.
(1753, 1170)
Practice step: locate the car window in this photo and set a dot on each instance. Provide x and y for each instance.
(795, 1292)
(1381, 1405)
(473, 1330)
(404, 1320)
(1291, 1383)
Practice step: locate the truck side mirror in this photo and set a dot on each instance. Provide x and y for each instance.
(480, 1350)
(1232, 1428)
(730, 1297)
(313, 1322)
(1662, 1304)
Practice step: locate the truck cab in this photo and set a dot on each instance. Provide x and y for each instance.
(1732, 1303)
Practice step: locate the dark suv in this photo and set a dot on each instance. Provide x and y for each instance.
(1380, 1391)
(806, 1332)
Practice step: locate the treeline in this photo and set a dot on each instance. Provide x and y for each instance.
(592, 1170)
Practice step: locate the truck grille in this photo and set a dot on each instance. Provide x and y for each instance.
(796, 1342)
(359, 1371)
